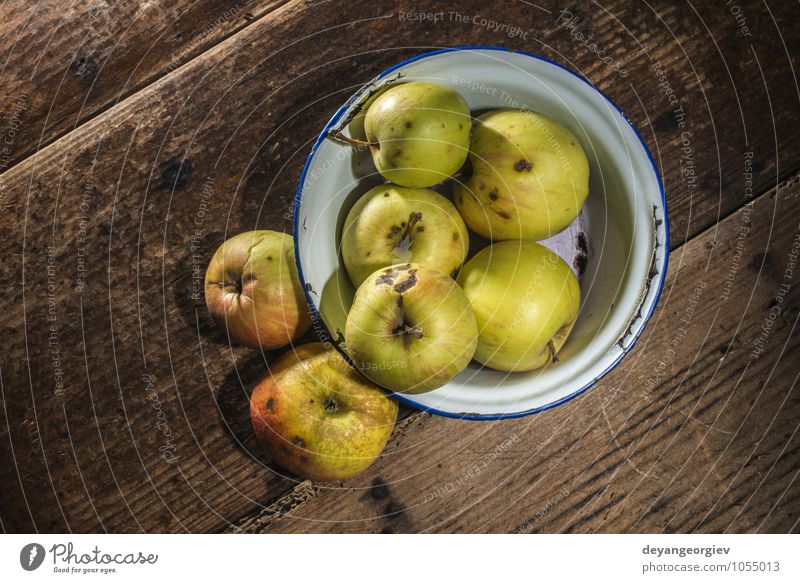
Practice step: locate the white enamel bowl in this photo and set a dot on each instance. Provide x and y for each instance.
(624, 220)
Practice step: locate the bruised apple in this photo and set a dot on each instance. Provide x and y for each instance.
(526, 301)
(393, 224)
(530, 177)
(318, 418)
(411, 328)
(253, 291)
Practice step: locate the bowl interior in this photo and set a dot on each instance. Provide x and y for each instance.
(622, 224)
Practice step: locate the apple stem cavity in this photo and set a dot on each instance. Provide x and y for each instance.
(553, 353)
(236, 284)
(353, 141)
(330, 405)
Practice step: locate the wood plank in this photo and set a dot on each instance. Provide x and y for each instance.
(157, 182)
(63, 63)
(696, 430)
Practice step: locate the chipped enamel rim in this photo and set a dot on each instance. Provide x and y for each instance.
(641, 314)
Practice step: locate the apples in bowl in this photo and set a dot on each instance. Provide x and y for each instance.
(617, 245)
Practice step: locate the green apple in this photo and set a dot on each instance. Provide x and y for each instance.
(393, 224)
(526, 301)
(530, 177)
(410, 329)
(253, 291)
(318, 418)
(418, 133)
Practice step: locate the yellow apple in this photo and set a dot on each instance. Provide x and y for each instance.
(418, 133)
(393, 224)
(410, 329)
(530, 177)
(526, 300)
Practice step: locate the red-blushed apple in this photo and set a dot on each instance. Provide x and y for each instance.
(318, 417)
(410, 329)
(253, 291)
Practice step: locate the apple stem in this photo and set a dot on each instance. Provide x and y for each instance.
(415, 331)
(352, 141)
(553, 353)
(413, 219)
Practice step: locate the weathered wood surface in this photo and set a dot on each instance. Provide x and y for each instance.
(143, 192)
(63, 62)
(694, 431)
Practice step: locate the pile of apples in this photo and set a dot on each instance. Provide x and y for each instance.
(313, 412)
(420, 313)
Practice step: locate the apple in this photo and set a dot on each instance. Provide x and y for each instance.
(526, 301)
(393, 224)
(318, 418)
(253, 291)
(410, 328)
(530, 177)
(418, 133)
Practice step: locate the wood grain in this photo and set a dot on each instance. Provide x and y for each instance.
(694, 431)
(66, 62)
(125, 409)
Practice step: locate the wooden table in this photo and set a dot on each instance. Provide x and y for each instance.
(136, 136)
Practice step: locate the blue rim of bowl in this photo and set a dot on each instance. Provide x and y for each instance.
(317, 317)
